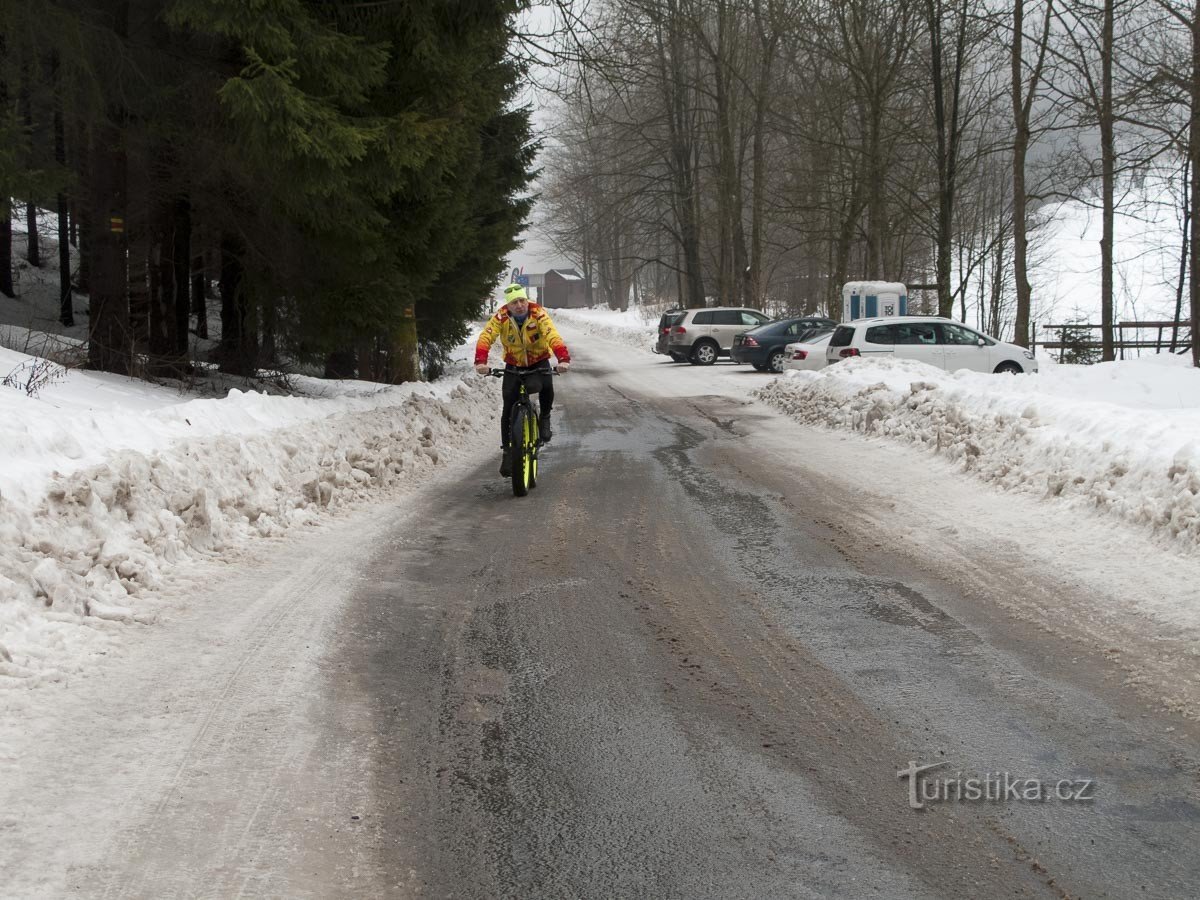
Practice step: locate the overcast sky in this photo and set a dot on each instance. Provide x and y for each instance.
(535, 255)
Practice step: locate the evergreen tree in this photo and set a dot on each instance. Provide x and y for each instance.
(358, 168)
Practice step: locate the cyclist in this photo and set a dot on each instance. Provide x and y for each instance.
(528, 337)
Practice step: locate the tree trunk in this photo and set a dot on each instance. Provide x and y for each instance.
(6, 279)
(238, 347)
(1022, 101)
(1183, 255)
(33, 250)
(728, 205)
(269, 323)
(841, 250)
(158, 269)
(681, 156)
(199, 298)
(109, 344)
(364, 352)
(405, 358)
(84, 282)
(181, 257)
(1194, 162)
(946, 126)
(1108, 165)
(876, 202)
(66, 310)
(1020, 149)
(758, 162)
(145, 322)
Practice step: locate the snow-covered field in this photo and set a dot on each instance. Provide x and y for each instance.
(107, 483)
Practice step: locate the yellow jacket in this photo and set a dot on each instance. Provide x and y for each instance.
(523, 346)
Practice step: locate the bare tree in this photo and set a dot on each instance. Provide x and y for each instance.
(1026, 81)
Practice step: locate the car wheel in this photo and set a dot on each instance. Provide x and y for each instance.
(678, 357)
(775, 361)
(705, 353)
(1008, 367)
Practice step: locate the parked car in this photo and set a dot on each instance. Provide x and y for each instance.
(937, 341)
(665, 321)
(703, 335)
(762, 347)
(808, 354)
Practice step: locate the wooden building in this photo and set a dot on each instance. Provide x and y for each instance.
(562, 289)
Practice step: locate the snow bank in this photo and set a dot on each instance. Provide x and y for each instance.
(106, 483)
(1120, 438)
(631, 327)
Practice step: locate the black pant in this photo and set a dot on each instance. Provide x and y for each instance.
(535, 383)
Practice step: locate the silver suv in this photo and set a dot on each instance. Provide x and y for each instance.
(702, 335)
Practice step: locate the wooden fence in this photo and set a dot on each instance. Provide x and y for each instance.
(1161, 337)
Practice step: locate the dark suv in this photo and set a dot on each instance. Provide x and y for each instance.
(669, 318)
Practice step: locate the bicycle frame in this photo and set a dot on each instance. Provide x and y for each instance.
(523, 437)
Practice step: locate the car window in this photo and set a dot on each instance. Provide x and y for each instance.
(726, 317)
(802, 326)
(956, 334)
(753, 318)
(915, 333)
(842, 337)
(881, 334)
(704, 317)
(670, 319)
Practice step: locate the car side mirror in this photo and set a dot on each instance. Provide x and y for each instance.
(980, 342)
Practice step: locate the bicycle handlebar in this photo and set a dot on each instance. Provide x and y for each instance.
(517, 370)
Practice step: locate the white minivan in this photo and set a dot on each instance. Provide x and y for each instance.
(937, 341)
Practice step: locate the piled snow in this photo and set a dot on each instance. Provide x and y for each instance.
(1120, 438)
(634, 327)
(105, 483)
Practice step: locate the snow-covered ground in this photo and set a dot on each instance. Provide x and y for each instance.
(107, 484)
(1122, 439)
(634, 327)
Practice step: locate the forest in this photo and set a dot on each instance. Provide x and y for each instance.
(763, 152)
(342, 181)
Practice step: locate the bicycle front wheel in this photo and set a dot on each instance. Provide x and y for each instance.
(524, 434)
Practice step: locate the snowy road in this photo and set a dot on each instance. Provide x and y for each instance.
(691, 664)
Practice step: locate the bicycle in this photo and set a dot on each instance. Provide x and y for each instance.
(523, 432)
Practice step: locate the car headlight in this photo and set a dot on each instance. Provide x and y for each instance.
(1028, 354)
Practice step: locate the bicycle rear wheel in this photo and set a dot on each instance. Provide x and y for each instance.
(522, 440)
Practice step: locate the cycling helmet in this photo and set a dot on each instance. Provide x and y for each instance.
(515, 292)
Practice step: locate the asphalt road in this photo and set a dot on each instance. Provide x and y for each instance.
(680, 669)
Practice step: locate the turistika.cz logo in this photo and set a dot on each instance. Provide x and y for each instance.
(991, 787)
